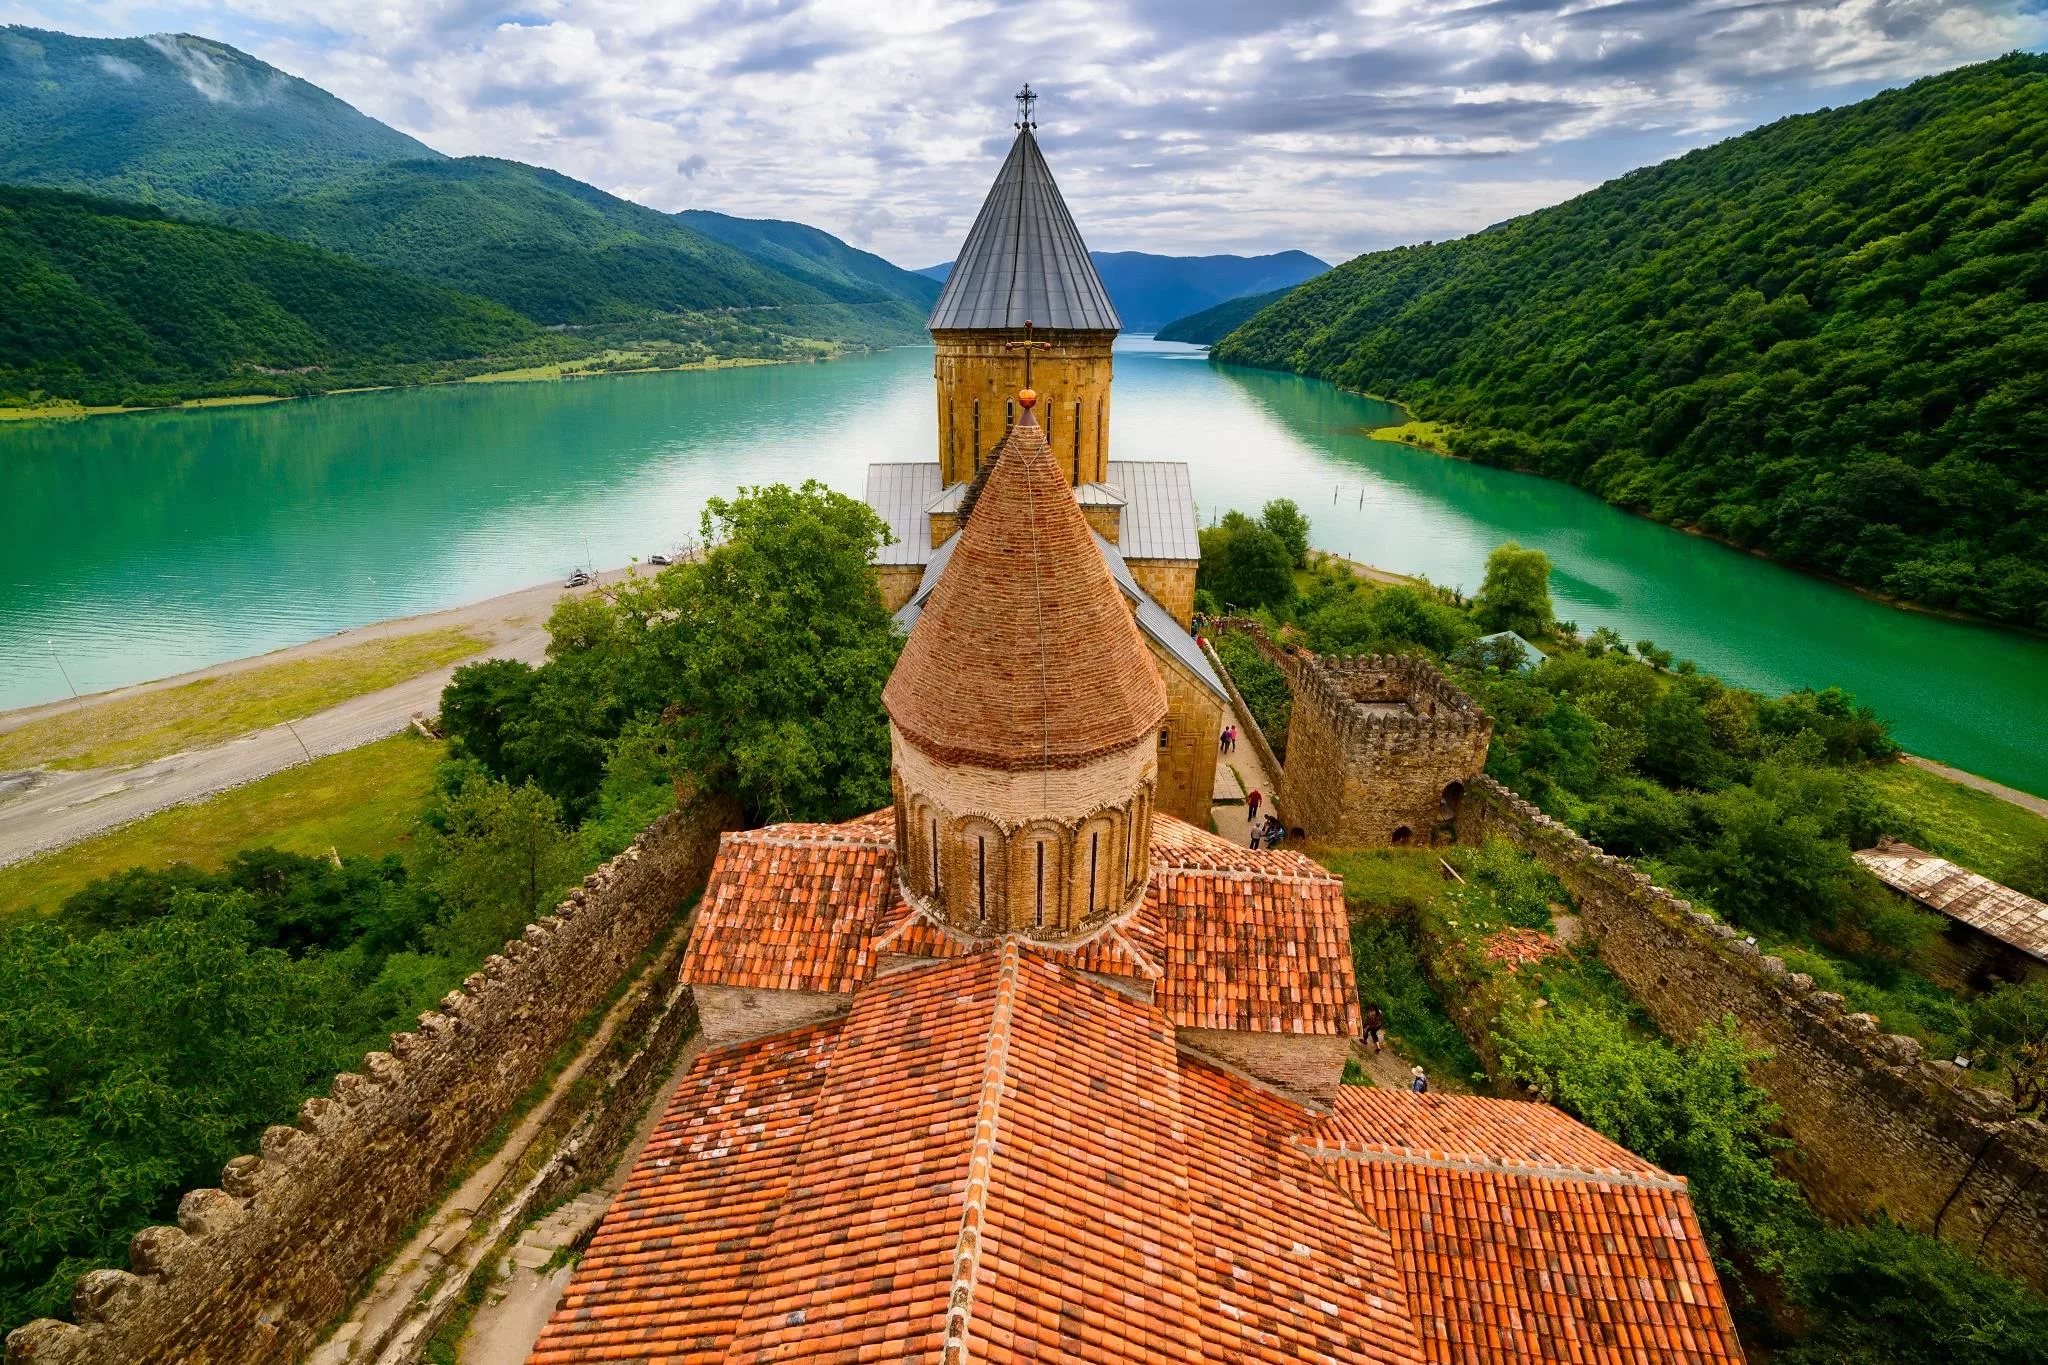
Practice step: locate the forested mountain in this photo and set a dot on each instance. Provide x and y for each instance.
(552, 248)
(111, 303)
(1826, 339)
(815, 257)
(174, 120)
(1211, 325)
(1150, 290)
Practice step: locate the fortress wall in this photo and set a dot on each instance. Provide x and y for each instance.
(1874, 1125)
(1247, 723)
(257, 1269)
(1194, 725)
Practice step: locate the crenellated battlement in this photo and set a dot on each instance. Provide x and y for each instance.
(1875, 1124)
(255, 1269)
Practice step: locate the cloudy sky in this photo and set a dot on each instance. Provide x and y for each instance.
(1183, 126)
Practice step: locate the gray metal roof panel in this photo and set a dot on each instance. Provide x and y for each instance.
(1157, 622)
(1159, 519)
(1099, 495)
(899, 494)
(1024, 260)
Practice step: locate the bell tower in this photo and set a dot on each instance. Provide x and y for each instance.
(1023, 275)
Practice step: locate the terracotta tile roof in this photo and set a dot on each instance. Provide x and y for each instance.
(1227, 938)
(793, 907)
(1290, 1269)
(999, 1155)
(1254, 940)
(2012, 917)
(669, 1269)
(1523, 1235)
(1025, 655)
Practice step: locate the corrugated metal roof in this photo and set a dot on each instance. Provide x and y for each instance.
(1152, 618)
(1159, 519)
(2005, 914)
(1024, 260)
(900, 493)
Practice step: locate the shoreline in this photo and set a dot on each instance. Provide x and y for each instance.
(1868, 594)
(496, 619)
(73, 412)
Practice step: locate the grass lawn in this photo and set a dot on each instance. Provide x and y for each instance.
(152, 724)
(1431, 436)
(360, 801)
(1964, 825)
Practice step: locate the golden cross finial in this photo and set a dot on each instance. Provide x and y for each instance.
(1027, 346)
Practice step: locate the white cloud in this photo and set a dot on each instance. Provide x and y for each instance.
(1176, 125)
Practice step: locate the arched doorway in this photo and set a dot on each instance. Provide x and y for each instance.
(1454, 796)
(1403, 836)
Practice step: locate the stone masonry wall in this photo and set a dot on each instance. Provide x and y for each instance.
(1873, 1124)
(1366, 777)
(1187, 761)
(256, 1269)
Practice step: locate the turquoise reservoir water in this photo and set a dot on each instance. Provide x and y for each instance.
(146, 545)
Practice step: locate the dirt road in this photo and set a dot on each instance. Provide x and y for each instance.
(42, 809)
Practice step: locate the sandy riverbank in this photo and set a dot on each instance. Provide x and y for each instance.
(495, 620)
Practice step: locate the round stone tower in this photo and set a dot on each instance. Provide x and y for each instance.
(1024, 263)
(1024, 717)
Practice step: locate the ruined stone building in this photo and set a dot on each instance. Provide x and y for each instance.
(1024, 1067)
(1024, 289)
(1380, 750)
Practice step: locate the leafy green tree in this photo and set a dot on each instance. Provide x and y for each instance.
(1244, 565)
(1882, 1295)
(1284, 519)
(2009, 1030)
(1691, 1109)
(133, 1063)
(498, 858)
(1516, 593)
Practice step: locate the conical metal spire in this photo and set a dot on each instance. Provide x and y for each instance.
(1024, 260)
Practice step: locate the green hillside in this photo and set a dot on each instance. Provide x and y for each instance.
(1211, 325)
(552, 248)
(815, 257)
(1826, 339)
(174, 120)
(107, 303)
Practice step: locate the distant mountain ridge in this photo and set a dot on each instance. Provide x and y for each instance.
(173, 120)
(814, 256)
(1150, 290)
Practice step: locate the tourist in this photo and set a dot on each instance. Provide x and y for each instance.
(1251, 805)
(1223, 741)
(1375, 1027)
(1418, 1082)
(1271, 831)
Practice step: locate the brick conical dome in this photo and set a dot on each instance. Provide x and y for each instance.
(1026, 655)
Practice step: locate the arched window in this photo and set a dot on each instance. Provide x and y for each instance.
(1038, 914)
(1009, 415)
(934, 827)
(974, 433)
(1077, 443)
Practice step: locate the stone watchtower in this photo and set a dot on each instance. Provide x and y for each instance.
(1024, 718)
(1024, 263)
(1380, 750)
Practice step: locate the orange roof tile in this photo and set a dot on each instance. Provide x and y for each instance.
(792, 907)
(1523, 1235)
(1025, 655)
(668, 1270)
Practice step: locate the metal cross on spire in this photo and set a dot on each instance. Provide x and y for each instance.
(1027, 346)
(1025, 99)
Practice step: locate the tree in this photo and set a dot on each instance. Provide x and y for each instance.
(1284, 519)
(1244, 565)
(497, 857)
(763, 663)
(2009, 1030)
(1516, 593)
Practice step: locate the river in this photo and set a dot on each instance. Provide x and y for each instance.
(138, 546)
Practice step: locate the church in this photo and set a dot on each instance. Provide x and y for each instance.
(1024, 304)
(1028, 1065)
